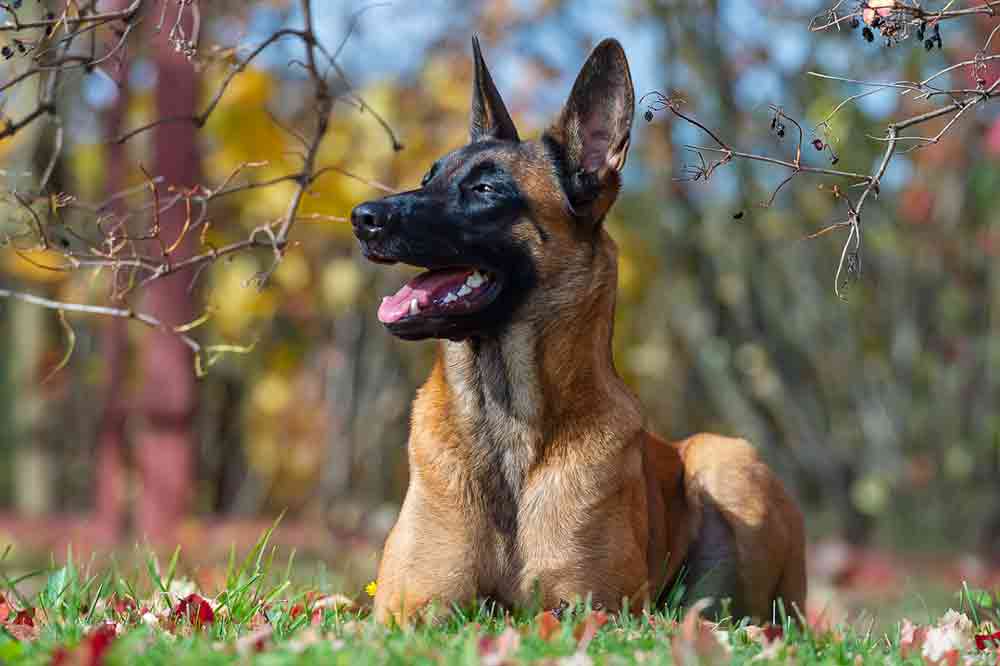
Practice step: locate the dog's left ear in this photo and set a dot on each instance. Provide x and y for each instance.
(490, 119)
(594, 130)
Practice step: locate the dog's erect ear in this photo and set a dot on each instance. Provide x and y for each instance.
(594, 129)
(490, 119)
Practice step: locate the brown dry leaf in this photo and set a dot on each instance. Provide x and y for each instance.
(585, 632)
(696, 641)
(548, 625)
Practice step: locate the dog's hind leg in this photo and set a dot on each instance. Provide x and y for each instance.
(712, 564)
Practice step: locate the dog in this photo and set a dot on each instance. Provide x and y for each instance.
(532, 477)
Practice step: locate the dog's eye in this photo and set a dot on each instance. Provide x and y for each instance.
(483, 188)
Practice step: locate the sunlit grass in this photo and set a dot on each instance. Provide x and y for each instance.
(84, 614)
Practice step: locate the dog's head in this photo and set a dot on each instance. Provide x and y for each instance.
(507, 228)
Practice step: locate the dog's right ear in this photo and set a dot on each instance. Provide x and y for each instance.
(490, 119)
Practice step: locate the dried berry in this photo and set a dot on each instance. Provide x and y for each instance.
(921, 31)
(877, 21)
(868, 35)
(928, 44)
(648, 116)
(7, 52)
(818, 144)
(21, 48)
(834, 160)
(854, 23)
(738, 215)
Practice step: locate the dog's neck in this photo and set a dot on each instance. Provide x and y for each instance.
(543, 374)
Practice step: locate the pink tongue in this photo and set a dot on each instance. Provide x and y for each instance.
(425, 288)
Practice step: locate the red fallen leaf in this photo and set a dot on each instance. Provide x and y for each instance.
(911, 639)
(22, 632)
(494, 650)
(97, 643)
(950, 658)
(881, 8)
(765, 635)
(25, 617)
(985, 640)
(296, 610)
(584, 633)
(548, 625)
(121, 605)
(196, 609)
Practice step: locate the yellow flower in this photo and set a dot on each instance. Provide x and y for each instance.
(371, 588)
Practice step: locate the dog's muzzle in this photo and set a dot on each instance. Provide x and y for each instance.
(372, 220)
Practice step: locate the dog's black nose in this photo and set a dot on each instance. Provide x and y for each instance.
(371, 219)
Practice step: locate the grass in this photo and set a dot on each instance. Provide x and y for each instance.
(76, 615)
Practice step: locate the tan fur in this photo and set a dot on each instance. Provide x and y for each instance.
(531, 473)
(596, 504)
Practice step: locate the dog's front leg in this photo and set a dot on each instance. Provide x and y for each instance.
(429, 563)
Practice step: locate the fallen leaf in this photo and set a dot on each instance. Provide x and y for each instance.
(548, 625)
(121, 605)
(766, 634)
(196, 609)
(951, 636)
(987, 640)
(255, 641)
(495, 650)
(696, 641)
(25, 617)
(911, 638)
(97, 643)
(585, 632)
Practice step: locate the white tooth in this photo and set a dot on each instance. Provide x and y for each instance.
(464, 291)
(475, 280)
(414, 307)
(450, 298)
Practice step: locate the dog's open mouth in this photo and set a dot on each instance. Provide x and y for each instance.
(440, 292)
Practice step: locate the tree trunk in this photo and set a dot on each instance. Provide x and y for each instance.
(165, 444)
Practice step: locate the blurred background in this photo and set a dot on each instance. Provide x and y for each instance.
(881, 411)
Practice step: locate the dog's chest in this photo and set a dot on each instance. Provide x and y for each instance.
(497, 400)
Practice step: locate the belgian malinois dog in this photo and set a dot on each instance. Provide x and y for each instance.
(532, 477)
